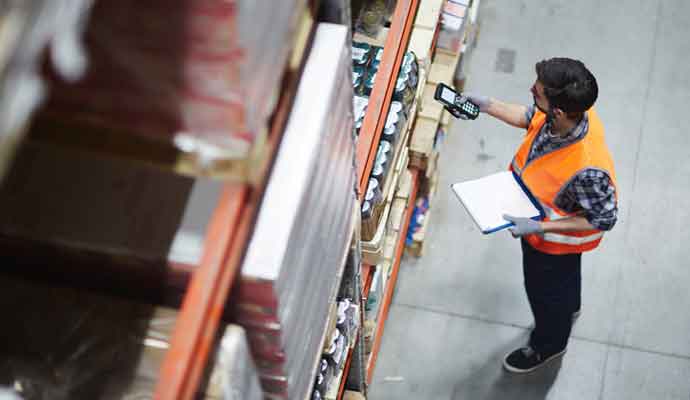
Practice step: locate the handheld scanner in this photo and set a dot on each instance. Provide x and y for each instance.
(459, 106)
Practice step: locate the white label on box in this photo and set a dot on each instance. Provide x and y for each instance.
(358, 53)
(452, 22)
(360, 103)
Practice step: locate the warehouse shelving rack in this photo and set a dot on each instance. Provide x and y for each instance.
(394, 49)
(227, 238)
(210, 284)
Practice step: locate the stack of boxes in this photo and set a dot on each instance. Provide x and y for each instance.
(296, 256)
(196, 74)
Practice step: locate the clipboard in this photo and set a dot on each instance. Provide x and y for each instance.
(487, 199)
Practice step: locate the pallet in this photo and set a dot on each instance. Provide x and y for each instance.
(432, 164)
(372, 250)
(443, 68)
(446, 119)
(422, 142)
(425, 30)
(428, 14)
(432, 114)
(352, 395)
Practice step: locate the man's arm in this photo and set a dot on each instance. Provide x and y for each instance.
(526, 226)
(593, 192)
(573, 224)
(512, 114)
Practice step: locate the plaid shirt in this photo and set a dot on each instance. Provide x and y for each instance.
(591, 191)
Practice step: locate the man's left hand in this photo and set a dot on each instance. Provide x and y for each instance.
(523, 226)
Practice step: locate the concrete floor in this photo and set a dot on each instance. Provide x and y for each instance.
(462, 306)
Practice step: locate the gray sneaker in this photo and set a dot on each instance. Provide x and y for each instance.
(524, 360)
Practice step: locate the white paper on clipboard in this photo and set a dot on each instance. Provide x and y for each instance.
(487, 199)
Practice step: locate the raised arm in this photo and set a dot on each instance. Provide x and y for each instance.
(512, 114)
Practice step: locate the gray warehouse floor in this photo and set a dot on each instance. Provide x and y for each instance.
(462, 306)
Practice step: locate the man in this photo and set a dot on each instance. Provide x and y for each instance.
(565, 163)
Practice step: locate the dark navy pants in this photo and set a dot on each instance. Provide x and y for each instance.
(553, 284)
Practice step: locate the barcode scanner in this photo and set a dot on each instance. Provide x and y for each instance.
(456, 104)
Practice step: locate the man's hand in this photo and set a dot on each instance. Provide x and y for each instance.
(454, 112)
(482, 102)
(523, 226)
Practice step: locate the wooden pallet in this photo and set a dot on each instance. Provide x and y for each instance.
(443, 68)
(432, 114)
(351, 395)
(424, 31)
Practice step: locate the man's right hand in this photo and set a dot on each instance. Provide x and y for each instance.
(454, 112)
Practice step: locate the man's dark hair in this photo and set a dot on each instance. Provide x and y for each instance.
(568, 84)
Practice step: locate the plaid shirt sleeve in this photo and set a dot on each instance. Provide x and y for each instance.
(593, 193)
(529, 114)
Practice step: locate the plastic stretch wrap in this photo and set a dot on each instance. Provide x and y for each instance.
(197, 72)
(303, 230)
(27, 28)
(67, 344)
(453, 21)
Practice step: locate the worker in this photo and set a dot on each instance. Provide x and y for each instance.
(565, 163)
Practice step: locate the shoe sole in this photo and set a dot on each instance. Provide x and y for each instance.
(526, 371)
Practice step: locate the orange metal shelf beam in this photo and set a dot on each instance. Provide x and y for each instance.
(346, 370)
(390, 288)
(367, 277)
(195, 329)
(384, 86)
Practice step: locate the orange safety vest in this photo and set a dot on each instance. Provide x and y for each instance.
(548, 175)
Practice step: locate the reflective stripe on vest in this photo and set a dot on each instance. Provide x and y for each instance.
(572, 240)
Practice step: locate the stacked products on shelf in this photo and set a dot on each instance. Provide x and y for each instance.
(193, 73)
(372, 307)
(295, 258)
(63, 344)
(453, 20)
(366, 59)
(418, 216)
(336, 348)
(372, 16)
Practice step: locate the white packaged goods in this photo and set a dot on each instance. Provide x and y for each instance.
(302, 231)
